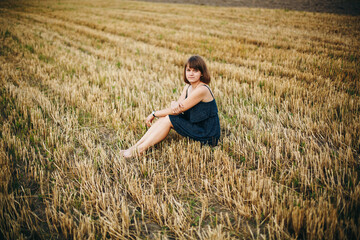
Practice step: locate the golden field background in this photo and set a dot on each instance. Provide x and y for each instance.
(79, 77)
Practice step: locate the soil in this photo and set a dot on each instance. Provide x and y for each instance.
(343, 7)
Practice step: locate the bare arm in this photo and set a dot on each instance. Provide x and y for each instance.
(160, 113)
(175, 109)
(196, 96)
(184, 103)
(175, 105)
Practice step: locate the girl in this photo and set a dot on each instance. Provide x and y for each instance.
(193, 115)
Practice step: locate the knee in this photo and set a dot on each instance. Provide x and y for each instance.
(166, 121)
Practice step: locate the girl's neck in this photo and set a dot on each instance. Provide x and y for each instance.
(195, 84)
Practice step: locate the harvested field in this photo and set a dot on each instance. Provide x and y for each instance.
(78, 78)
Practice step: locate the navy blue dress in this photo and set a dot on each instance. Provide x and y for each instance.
(200, 123)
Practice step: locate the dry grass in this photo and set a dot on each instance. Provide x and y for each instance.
(78, 78)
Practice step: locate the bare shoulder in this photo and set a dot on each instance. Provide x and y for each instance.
(206, 90)
(205, 86)
(201, 90)
(183, 93)
(206, 93)
(185, 87)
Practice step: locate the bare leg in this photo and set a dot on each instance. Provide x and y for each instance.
(149, 132)
(157, 132)
(157, 136)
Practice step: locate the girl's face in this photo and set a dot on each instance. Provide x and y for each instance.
(192, 75)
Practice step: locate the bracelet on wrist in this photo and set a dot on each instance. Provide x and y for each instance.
(153, 113)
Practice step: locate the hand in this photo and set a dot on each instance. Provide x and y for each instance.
(149, 120)
(176, 107)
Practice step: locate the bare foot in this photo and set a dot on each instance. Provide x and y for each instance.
(129, 153)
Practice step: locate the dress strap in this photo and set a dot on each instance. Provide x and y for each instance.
(210, 91)
(187, 91)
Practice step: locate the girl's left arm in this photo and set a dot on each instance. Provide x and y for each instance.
(197, 96)
(167, 111)
(170, 111)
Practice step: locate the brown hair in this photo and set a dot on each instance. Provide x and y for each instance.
(196, 62)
